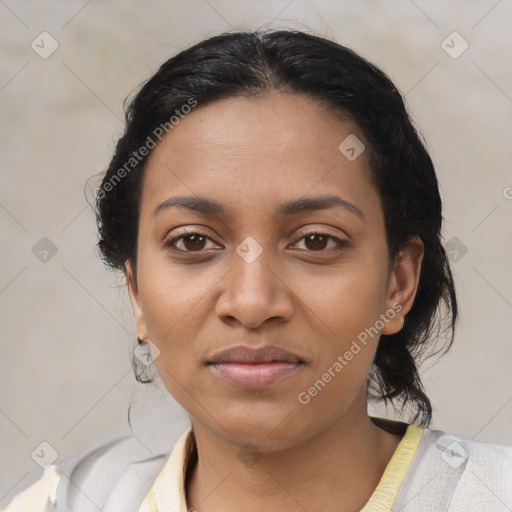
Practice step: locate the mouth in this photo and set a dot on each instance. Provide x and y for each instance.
(255, 376)
(249, 368)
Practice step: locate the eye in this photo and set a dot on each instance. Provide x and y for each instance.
(196, 241)
(316, 241)
(193, 241)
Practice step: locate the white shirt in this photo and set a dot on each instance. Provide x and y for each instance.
(430, 471)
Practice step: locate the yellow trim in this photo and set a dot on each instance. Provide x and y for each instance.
(385, 493)
(163, 490)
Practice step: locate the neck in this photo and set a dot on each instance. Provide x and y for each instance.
(334, 470)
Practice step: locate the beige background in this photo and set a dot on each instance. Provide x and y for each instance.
(66, 326)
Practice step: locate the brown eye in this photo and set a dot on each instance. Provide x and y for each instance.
(316, 242)
(190, 242)
(194, 242)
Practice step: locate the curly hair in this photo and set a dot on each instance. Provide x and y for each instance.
(256, 63)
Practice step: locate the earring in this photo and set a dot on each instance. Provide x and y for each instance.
(140, 340)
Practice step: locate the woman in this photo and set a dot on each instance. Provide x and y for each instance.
(278, 222)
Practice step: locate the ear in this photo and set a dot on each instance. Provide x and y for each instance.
(403, 283)
(133, 292)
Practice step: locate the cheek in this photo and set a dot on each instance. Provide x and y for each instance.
(173, 296)
(345, 300)
(345, 310)
(175, 313)
(344, 306)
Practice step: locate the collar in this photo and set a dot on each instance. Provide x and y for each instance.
(168, 492)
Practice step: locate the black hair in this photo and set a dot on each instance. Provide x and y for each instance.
(256, 63)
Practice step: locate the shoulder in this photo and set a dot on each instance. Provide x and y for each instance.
(457, 474)
(455, 451)
(121, 470)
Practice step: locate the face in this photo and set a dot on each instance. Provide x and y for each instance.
(287, 249)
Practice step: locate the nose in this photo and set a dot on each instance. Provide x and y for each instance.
(253, 293)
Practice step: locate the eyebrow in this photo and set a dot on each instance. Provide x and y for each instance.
(206, 206)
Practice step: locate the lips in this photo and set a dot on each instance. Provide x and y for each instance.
(254, 368)
(244, 354)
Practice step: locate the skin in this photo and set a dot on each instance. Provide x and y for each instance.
(251, 155)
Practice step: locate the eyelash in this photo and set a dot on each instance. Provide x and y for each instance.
(340, 244)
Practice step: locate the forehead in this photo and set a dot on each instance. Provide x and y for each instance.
(256, 151)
